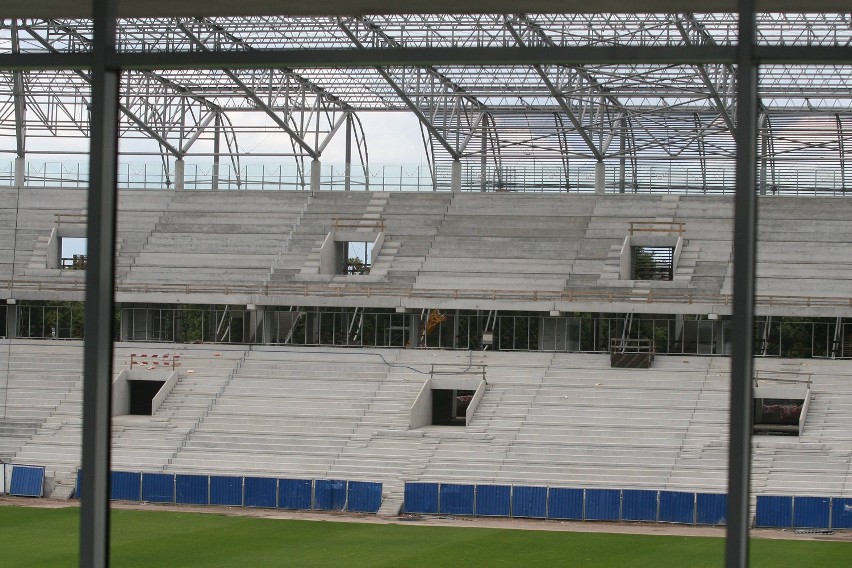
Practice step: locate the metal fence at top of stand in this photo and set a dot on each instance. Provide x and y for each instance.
(648, 178)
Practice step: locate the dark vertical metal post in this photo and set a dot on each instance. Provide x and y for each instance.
(100, 269)
(745, 218)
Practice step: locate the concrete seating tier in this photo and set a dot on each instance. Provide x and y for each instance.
(546, 418)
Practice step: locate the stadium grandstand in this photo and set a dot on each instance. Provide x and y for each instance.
(621, 263)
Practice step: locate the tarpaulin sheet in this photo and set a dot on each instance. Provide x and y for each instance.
(638, 505)
(565, 503)
(811, 512)
(841, 513)
(192, 489)
(677, 507)
(294, 493)
(330, 495)
(529, 502)
(125, 486)
(493, 500)
(158, 487)
(260, 492)
(27, 481)
(711, 509)
(421, 498)
(603, 504)
(456, 499)
(774, 511)
(364, 497)
(226, 490)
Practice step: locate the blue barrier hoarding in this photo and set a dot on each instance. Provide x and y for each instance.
(565, 504)
(677, 507)
(811, 512)
(79, 487)
(493, 500)
(529, 502)
(638, 505)
(603, 504)
(192, 489)
(226, 490)
(841, 513)
(456, 499)
(421, 498)
(364, 497)
(158, 487)
(294, 493)
(260, 492)
(125, 486)
(26, 481)
(711, 509)
(774, 511)
(330, 495)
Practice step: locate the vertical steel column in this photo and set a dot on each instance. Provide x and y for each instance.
(100, 270)
(347, 172)
(745, 215)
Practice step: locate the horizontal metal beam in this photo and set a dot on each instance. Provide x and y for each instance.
(190, 8)
(415, 56)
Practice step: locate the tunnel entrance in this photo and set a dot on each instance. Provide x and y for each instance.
(449, 406)
(142, 394)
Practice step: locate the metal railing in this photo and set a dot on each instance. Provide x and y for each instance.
(672, 178)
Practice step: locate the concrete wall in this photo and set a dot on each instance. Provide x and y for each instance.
(121, 388)
(421, 409)
(474, 402)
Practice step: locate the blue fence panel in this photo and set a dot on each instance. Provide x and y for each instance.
(711, 509)
(529, 502)
(565, 504)
(841, 513)
(329, 495)
(811, 512)
(226, 490)
(364, 497)
(125, 486)
(456, 499)
(638, 505)
(260, 492)
(78, 489)
(603, 504)
(158, 487)
(493, 500)
(294, 493)
(192, 489)
(421, 498)
(774, 511)
(677, 507)
(26, 481)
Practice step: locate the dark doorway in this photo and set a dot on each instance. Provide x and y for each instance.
(141, 395)
(449, 406)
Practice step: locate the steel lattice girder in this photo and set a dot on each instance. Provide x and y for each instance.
(558, 112)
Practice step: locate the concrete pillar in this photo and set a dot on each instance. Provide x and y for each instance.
(600, 177)
(260, 325)
(315, 175)
(455, 177)
(20, 171)
(179, 174)
(11, 319)
(414, 330)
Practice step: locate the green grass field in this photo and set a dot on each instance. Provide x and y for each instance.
(31, 537)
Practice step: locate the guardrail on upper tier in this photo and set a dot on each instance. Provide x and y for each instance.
(355, 291)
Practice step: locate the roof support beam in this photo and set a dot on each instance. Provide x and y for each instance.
(18, 94)
(252, 96)
(559, 98)
(705, 78)
(424, 120)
